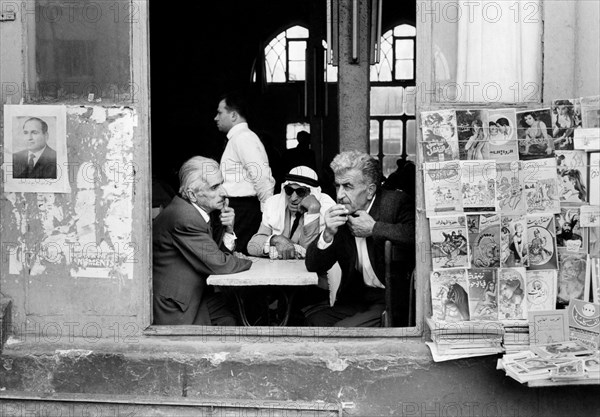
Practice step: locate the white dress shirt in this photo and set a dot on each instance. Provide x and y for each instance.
(245, 165)
(228, 238)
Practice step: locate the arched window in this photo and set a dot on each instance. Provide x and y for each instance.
(285, 56)
(393, 125)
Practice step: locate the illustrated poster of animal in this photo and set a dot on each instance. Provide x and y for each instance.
(571, 169)
(541, 240)
(590, 112)
(512, 303)
(472, 134)
(513, 241)
(571, 276)
(449, 297)
(440, 136)
(541, 290)
(442, 188)
(534, 133)
(484, 239)
(503, 145)
(449, 244)
(570, 235)
(566, 117)
(478, 185)
(594, 197)
(509, 188)
(483, 294)
(540, 183)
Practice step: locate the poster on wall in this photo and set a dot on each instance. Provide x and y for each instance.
(35, 149)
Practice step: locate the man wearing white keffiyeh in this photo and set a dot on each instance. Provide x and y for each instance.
(292, 219)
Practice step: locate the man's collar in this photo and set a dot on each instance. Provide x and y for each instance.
(38, 153)
(204, 214)
(236, 128)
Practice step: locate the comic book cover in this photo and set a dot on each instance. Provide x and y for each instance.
(512, 303)
(449, 244)
(472, 134)
(483, 294)
(513, 241)
(571, 276)
(534, 133)
(503, 145)
(570, 235)
(541, 289)
(590, 112)
(540, 183)
(478, 185)
(571, 167)
(541, 241)
(594, 195)
(510, 198)
(566, 117)
(484, 240)
(442, 188)
(449, 297)
(440, 136)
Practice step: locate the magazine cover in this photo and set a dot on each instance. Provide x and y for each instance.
(540, 183)
(584, 322)
(502, 127)
(440, 136)
(571, 168)
(534, 133)
(589, 216)
(594, 197)
(566, 117)
(593, 235)
(541, 240)
(541, 289)
(449, 245)
(442, 188)
(484, 240)
(513, 246)
(509, 188)
(548, 326)
(571, 276)
(590, 112)
(472, 134)
(512, 303)
(483, 294)
(478, 185)
(569, 234)
(449, 297)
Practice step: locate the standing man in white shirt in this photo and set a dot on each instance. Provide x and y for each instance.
(245, 168)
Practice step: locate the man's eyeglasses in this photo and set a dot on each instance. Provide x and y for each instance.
(300, 191)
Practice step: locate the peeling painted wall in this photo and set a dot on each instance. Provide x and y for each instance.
(68, 259)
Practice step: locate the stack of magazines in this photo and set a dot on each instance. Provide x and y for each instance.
(516, 335)
(561, 363)
(464, 339)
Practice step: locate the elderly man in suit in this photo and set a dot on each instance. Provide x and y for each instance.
(192, 239)
(38, 160)
(354, 236)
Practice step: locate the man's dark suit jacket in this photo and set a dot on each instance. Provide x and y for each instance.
(394, 214)
(185, 253)
(45, 167)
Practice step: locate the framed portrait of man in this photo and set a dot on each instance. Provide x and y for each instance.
(35, 149)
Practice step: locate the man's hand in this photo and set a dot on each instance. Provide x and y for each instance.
(335, 217)
(361, 224)
(310, 205)
(227, 216)
(284, 247)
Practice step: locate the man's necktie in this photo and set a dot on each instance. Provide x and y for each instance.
(296, 223)
(31, 163)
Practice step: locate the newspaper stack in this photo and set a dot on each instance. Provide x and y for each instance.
(516, 336)
(562, 363)
(464, 339)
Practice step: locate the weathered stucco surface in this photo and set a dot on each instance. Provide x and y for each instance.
(69, 258)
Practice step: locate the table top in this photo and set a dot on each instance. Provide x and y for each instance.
(265, 271)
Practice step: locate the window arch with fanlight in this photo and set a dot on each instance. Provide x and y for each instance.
(393, 107)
